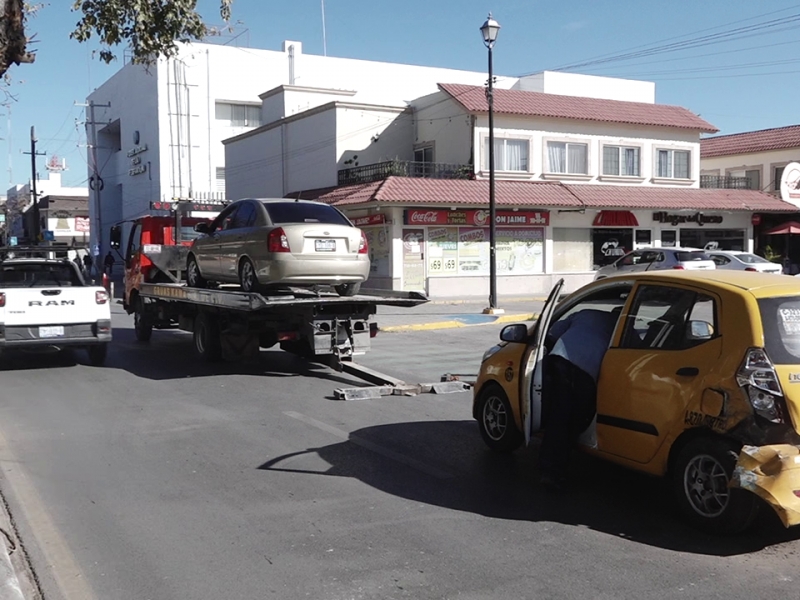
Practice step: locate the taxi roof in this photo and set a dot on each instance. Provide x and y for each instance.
(760, 285)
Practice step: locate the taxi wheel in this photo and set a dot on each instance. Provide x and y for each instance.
(703, 469)
(496, 420)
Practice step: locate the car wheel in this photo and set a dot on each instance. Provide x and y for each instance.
(207, 343)
(703, 469)
(142, 322)
(496, 420)
(347, 289)
(97, 354)
(193, 276)
(247, 276)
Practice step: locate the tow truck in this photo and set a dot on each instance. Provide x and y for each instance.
(229, 324)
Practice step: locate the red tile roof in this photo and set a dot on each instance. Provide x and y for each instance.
(536, 104)
(463, 192)
(751, 141)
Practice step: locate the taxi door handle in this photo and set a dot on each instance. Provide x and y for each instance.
(688, 371)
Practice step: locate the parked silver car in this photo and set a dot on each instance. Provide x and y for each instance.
(266, 242)
(743, 261)
(655, 259)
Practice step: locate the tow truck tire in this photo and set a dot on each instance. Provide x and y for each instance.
(142, 322)
(702, 470)
(348, 289)
(496, 420)
(97, 354)
(207, 344)
(193, 277)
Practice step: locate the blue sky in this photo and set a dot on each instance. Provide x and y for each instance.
(739, 71)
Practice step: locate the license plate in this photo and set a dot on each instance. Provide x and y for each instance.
(52, 331)
(325, 245)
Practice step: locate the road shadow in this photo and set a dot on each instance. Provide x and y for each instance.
(460, 473)
(41, 358)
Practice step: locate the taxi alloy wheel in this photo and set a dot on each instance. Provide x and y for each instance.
(703, 470)
(496, 420)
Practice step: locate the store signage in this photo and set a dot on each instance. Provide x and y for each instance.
(82, 224)
(137, 166)
(478, 218)
(790, 184)
(697, 218)
(756, 219)
(369, 220)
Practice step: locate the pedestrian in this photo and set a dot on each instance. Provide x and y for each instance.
(78, 262)
(109, 263)
(87, 264)
(572, 367)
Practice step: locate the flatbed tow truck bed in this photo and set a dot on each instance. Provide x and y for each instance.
(319, 326)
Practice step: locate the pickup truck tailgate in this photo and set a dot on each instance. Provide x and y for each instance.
(48, 306)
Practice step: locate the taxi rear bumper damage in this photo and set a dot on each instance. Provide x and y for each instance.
(773, 473)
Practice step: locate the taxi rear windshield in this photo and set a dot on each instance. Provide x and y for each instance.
(780, 318)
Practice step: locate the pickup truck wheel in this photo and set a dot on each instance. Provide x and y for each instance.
(142, 322)
(347, 289)
(703, 469)
(207, 343)
(97, 354)
(496, 420)
(193, 276)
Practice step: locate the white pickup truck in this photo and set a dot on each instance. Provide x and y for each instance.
(45, 302)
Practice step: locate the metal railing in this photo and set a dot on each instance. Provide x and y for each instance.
(725, 182)
(403, 168)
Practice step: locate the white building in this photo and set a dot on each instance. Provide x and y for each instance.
(19, 203)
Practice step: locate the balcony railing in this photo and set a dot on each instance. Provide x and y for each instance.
(725, 182)
(403, 168)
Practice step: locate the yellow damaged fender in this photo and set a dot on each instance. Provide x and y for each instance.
(773, 473)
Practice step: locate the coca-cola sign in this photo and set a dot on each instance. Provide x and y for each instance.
(475, 217)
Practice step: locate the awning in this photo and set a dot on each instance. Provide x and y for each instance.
(792, 227)
(615, 218)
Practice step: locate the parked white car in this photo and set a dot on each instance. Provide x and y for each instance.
(656, 259)
(45, 302)
(743, 261)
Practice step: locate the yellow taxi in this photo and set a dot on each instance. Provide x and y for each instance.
(700, 383)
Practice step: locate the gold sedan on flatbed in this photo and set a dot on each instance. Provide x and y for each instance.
(701, 383)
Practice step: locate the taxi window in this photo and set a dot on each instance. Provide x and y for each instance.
(669, 318)
(780, 318)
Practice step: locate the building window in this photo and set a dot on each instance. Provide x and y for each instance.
(238, 115)
(621, 160)
(221, 179)
(673, 164)
(509, 154)
(776, 180)
(424, 155)
(754, 178)
(566, 157)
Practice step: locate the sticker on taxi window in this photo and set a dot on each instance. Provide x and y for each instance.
(790, 320)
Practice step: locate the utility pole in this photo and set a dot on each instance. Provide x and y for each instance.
(96, 183)
(34, 194)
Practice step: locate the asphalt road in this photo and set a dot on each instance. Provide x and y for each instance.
(161, 478)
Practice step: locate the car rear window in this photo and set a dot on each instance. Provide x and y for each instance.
(38, 275)
(751, 258)
(691, 256)
(281, 213)
(780, 318)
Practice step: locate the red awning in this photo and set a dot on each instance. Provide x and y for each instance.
(615, 218)
(785, 229)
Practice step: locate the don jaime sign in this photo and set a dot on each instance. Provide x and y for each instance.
(475, 217)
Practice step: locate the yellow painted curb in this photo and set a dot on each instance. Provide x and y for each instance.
(453, 324)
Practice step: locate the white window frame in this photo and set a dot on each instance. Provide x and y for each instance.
(504, 138)
(548, 174)
(658, 178)
(617, 176)
(252, 114)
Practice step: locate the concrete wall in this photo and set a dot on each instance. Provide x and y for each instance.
(441, 122)
(764, 162)
(588, 86)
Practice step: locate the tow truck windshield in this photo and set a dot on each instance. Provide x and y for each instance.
(38, 275)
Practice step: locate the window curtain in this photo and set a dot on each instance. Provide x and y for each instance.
(557, 157)
(631, 162)
(516, 155)
(577, 158)
(610, 160)
(664, 163)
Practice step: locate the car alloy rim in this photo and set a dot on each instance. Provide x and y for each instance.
(192, 276)
(247, 275)
(495, 418)
(705, 484)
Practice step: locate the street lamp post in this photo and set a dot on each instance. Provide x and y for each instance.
(489, 30)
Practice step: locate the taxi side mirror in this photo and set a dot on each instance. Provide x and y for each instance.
(202, 228)
(115, 237)
(515, 333)
(699, 330)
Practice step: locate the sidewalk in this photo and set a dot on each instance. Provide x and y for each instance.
(447, 313)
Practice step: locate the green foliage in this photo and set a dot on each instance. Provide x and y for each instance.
(152, 28)
(771, 255)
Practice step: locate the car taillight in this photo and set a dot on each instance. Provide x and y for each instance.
(277, 241)
(750, 269)
(101, 297)
(679, 267)
(759, 380)
(2, 299)
(362, 245)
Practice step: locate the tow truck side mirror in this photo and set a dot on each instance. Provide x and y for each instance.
(115, 237)
(202, 228)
